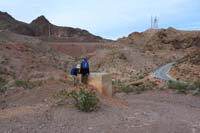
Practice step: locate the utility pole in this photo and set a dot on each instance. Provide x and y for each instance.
(156, 23)
(151, 22)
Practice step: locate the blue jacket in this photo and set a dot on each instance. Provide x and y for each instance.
(85, 67)
(74, 71)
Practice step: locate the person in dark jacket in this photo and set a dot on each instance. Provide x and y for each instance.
(85, 70)
(74, 73)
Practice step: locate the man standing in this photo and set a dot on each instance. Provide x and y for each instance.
(85, 71)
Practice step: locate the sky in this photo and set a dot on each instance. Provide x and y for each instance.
(110, 19)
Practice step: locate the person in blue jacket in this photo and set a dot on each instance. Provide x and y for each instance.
(74, 73)
(85, 70)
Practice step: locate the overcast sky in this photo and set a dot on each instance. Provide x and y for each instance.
(108, 18)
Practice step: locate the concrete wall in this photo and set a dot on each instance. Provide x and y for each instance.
(101, 81)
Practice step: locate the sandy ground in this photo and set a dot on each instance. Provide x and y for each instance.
(149, 112)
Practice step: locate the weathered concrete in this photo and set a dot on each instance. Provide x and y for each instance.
(101, 81)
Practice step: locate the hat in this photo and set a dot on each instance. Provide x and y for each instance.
(78, 66)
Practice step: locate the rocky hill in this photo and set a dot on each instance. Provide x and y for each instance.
(41, 27)
(171, 45)
(188, 68)
(170, 38)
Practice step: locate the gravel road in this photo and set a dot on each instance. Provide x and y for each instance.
(162, 72)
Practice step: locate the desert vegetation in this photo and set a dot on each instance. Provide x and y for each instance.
(3, 87)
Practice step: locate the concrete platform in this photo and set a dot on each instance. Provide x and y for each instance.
(101, 81)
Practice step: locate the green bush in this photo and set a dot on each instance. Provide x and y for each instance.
(85, 100)
(3, 82)
(25, 84)
(180, 87)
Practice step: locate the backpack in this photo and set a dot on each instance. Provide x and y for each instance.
(85, 65)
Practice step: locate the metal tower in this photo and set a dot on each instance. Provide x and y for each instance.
(154, 22)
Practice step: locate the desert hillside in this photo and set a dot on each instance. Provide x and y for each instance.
(22, 54)
(177, 45)
(23, 57)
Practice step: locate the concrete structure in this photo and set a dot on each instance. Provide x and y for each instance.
(101, 81)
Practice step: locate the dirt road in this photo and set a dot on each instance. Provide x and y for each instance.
(162, 72)
(150, 112)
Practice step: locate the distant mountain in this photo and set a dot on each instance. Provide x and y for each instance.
(41, 27)
(7, 22)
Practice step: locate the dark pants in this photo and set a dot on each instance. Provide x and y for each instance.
(84, 79)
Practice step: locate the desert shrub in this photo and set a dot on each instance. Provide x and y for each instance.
(25, 84)
(122, 56)
(137, 89)
(85, 100)
(144, 87)
(150, 85)
(3, 82)
(140, 75)
(197, 88)
(64, 94)
(176, 85)
(180, 87)
(115, 83)
(120, 86)
(197, 83)
(127, 89)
